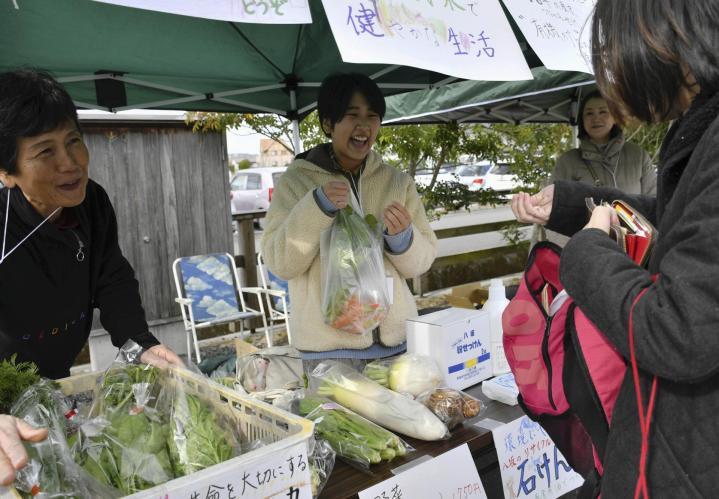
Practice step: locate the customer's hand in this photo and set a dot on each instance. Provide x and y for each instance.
(534, 209)
(161, 356)
(12, 453)
(602, 218)
(337, 192)
(396, 218)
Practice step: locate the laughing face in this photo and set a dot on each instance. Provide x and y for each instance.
(355, 133)
(51, 169)
(598, 121)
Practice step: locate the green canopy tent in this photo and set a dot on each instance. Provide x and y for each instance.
(114, 58)
(551, 97)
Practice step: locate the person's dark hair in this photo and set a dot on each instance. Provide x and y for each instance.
(337, 90)
(642, 50)
(582, 132)
(31, 103)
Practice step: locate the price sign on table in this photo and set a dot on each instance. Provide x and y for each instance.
(451, 475)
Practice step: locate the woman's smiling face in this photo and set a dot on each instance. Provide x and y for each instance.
(355, 133)
(598, 121)
(51, 169)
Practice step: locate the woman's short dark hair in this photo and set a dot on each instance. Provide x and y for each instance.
(642, 49)
(337, 90)
(582, 133)
(31, 103)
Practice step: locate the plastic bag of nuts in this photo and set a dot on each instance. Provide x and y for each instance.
(451, 406)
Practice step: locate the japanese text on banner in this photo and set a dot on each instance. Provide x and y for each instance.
(464, 38)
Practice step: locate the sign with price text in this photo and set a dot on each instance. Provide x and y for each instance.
(451, 475)
(464, 38)
(530, 464)
(284, 474)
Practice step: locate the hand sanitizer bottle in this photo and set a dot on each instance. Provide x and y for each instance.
(495, 306)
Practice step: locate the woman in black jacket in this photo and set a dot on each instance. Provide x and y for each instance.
(59, 255)
(655, 60)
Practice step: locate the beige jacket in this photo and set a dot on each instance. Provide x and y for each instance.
(291, 249)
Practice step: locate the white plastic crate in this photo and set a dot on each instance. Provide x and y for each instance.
(269, 471)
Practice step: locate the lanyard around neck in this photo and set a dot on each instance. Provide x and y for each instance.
(4, 255)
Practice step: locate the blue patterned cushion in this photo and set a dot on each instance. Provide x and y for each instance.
(208, 281)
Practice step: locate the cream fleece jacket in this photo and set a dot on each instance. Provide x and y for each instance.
(291, 249)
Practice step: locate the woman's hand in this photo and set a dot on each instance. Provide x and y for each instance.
(396, 218)
(337, 192)
(12, 453)
(161, 356)
(534, 209)
(602, 218)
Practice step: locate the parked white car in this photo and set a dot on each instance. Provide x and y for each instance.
(486, 175)
(251, 189)
(422, 178)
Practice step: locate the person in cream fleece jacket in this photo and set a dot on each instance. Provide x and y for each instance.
(316, 185)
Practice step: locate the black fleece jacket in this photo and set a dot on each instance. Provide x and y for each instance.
(676, 322)
(48, 293)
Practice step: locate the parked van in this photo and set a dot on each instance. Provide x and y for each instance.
(252, 188)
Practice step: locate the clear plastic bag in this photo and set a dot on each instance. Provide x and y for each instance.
(147, 429)
(354, 298)
(322, 462)
(451, 406)
(51, 471)
(354, 438)
(380, 405)
(408, 373)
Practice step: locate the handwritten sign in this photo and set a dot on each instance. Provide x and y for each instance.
(530, 463)
(451, 475)
(465, 38)
(559, 31)
(284, 474)
(242, 11)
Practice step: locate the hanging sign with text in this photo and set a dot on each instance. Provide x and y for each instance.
(464, 38)
(559, 31)
(240, 11)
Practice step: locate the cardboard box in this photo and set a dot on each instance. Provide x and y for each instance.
(470, 296)
(458, 340)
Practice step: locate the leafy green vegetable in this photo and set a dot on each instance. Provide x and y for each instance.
(350, 435)
(196, 440)
(15, 378)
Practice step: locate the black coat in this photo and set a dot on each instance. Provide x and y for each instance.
(47, 295)
(676, 322)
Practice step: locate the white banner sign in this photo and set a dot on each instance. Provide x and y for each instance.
(559, 31)
(464, 38)
(530, 464)
(241, 11)
(452, 475)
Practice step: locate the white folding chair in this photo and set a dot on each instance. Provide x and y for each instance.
(276, 296)
(209, 293)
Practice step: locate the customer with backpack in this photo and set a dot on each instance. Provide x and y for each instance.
(655, 60)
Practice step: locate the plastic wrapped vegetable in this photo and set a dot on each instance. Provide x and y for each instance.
(380, 405)
(196, 439)
(322, 462)
(354, 295)
(353, 437)
(407, 373)
(125, 445)
(451, 406)
(51, 471)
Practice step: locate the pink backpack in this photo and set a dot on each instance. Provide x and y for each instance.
(567, 373)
